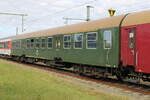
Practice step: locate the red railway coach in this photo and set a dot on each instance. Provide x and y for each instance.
(135, 42)
(5, 47)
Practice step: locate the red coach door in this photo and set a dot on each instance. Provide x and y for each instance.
(129, 47)
(132, 46)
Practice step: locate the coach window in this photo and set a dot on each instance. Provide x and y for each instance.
(5, 44)
(37, 45)
(67, 41)
(23, 44)
(131, 38)
(32, 43)
(1, 45)
(78, 39)
(14, 44)
(28, 43)
(91, 39)
(43, 43)
(107, 37)
(19, 44)
(50, 42)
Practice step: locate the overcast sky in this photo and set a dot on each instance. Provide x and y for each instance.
(43, 14)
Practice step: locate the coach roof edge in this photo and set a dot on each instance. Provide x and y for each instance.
(7, 38)
(137, 18)
(76, 28)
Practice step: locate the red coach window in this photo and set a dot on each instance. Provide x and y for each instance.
(6, 45)
(1, 45)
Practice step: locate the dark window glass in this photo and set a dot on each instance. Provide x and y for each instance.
(5, 44)
(23, 44)
(50, 42)
(28, 43)
(14, 44)
(17, 44)
(91, 40)
(67, 41)
(1, 45)
(37, 43)
(43, 43)
(107, 36)
(78, 38)
(131, 38)
(32, 43)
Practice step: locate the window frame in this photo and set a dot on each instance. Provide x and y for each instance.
(14, 44)
(49, 42)
(28, 43)
(90, 40)
(1, 45)
(67, 41)
(39, 42)
(111, 39)
(44, 43)
(74, 41)
(19, 44)
(32, 43)
(5, 44)
(23, 44)
(131, 40)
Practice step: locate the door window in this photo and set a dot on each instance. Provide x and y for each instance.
(107, 38)
(57, 42)
(37, 43)
(131, 38)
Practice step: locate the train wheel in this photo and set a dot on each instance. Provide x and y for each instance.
(120, 75)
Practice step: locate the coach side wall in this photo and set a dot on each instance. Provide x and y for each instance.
(98, 57)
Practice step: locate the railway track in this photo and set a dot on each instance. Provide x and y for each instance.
(141, 89)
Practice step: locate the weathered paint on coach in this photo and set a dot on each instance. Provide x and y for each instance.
(135, 41)
(97, 57)
(6, 46)
(138, 56)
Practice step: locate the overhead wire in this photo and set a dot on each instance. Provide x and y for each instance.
(77, 6)
(54, 14)
(67, 9)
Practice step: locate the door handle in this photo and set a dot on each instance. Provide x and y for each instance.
(132, 52)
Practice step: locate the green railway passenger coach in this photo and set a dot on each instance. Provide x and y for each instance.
(90, 43)
(113, 46)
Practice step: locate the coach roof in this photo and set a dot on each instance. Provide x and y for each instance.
(6, 38)
(137, 18)
(76, 28)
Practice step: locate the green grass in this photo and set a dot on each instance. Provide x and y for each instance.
(17, 83)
